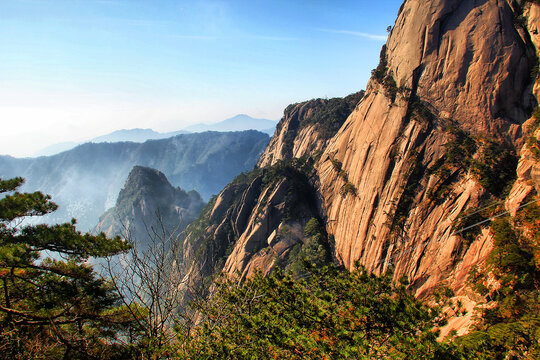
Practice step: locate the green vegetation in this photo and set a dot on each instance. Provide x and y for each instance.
(460, 149)
(419, 110)
(402, 205)
(510, 328)
(52, 304)
(313, 253)
(531, 140)
(382, 75)
(495, 167)
(297, 171)
(326, 115)
(534, 146)
(467, 220)
(536, 115)
(348, 187)
(456, 160)
(329, 118)
(493, 164)
(520, 20)
(331, 314)
(215, 246)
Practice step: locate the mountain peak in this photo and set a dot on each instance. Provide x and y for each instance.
(149, 200)
(146, 179)
(238, 122)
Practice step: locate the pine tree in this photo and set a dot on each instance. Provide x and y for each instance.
(52, 302)
(330, 314)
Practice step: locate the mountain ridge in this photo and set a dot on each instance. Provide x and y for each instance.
(236, 123)
(86, 180)
(239, 122)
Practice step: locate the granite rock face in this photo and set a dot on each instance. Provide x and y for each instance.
(306, 128)
(403, 174)
(464, 64)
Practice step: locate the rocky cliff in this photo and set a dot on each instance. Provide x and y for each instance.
(149, 205)
(440, 142)
(454, 86)
(307, 127)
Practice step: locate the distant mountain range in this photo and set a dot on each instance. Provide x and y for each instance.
(237, 123)
(135, 135)
(86, 180)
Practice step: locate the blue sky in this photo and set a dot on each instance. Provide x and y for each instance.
(75, 69)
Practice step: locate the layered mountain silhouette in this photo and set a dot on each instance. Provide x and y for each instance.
(86, 180)
(240, 122)
(133, 135)
(236, 123)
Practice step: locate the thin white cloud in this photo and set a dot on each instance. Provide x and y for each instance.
(357, 33)
(271, 38)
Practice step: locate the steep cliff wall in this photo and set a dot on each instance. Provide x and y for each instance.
(306, 128)
(258, 220)
(459, 64)
(440, 142)
(256, 223)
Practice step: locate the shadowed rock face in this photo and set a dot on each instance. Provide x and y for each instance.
(406, 166)
(253, 224)
(148, 203)
(259, 218)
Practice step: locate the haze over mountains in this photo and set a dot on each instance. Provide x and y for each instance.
(86, 180)
(237, 123)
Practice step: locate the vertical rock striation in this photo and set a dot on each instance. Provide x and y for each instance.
(464, 64)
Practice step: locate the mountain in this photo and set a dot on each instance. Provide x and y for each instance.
(134, 135)
(86, 180)
(236, 123)
(148, 202)
(55, 148)
(409, 177)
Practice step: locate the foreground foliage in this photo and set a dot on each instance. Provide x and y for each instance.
(510, 327)
(332, 314)
(52, 303)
